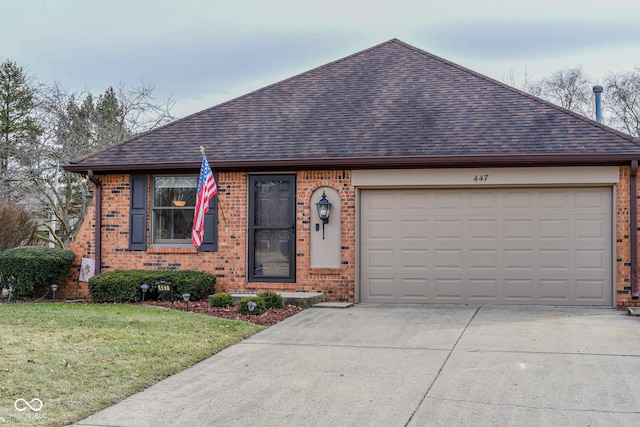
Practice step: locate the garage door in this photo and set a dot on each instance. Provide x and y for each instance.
(547, 246)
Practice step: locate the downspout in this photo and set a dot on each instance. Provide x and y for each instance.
(633, 213)
(98, 221)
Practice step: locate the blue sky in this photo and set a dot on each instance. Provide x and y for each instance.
(204, 52)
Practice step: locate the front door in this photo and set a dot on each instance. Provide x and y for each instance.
(272, 228)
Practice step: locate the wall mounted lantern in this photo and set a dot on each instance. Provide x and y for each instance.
(324, 208)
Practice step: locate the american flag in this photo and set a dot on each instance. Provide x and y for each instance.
(207, 189)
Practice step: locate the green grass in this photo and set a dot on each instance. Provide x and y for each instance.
(79, 358)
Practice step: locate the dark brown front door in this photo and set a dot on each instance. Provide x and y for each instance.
(272, 228)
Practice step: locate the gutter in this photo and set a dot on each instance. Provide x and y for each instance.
(633, 213)
(98, 221)
(378, 162)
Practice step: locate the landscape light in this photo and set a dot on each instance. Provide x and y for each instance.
(251, 305)
(186, 297)
(144, 288)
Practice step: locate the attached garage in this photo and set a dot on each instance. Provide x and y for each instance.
(548, 245)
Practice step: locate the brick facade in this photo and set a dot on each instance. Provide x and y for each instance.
(229, 262)
(623, 247)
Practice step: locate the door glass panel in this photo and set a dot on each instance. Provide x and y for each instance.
(271, 253)
(273, 204)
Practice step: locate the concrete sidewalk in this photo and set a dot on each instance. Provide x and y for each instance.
(416, 365)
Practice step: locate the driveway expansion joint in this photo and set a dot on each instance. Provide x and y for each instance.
(541, 408)
(381, 347)
(475, 313)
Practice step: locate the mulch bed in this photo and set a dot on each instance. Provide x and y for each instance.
(270, 317)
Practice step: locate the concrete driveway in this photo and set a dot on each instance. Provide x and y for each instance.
(409, 365)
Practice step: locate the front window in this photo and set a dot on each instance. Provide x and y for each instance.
(174, 200)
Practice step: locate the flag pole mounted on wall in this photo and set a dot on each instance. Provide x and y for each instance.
(207, 189)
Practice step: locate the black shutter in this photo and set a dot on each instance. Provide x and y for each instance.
(210, 238)
(138, 213)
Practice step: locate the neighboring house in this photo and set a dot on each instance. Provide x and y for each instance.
(446, 187)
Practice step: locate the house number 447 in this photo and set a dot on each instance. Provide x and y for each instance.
(480, 178)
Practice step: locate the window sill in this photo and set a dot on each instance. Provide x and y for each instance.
(172, 250)
(325, 271)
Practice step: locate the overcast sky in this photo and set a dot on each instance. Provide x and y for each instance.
(204, 52)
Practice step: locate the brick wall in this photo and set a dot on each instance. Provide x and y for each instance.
(623, 246)
(229, 262)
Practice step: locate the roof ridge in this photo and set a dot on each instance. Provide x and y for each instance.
(585, 119)
(238, 98)
(295, 76)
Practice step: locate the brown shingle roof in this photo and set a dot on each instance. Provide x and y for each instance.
(390, 105)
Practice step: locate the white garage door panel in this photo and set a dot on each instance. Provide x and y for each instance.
(502, 246)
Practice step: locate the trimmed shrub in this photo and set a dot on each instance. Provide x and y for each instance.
(259, 309)
(32, 269)
(221, 299)
(271, 299)
(124, 285)
(117, 286)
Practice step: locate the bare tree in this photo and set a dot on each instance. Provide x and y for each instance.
(569, 88)
(75, 124)
(623, 100)
(525, 86)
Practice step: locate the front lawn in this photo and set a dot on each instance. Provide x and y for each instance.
(78, 358)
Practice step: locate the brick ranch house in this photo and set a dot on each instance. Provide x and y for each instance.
(446, 187)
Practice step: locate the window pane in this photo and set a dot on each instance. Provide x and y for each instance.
(173, 224)
(272, 203)
(272, 253)
(175, 191)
